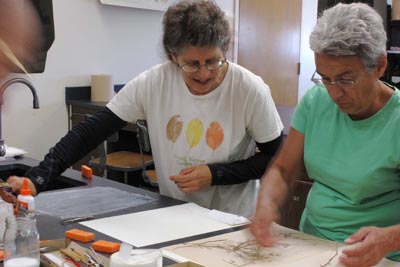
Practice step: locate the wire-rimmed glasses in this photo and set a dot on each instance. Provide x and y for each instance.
(193, 67)
(341, 83)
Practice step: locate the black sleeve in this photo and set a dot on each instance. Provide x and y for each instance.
(248, 169)
(82, 139)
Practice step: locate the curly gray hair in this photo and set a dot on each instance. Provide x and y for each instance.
(200, 24)
(350, 30)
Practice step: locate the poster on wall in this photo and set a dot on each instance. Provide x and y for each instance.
(161, 5)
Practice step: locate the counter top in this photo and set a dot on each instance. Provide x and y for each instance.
(86, 103)
(51, 227)
(81, 94)
(79, 104)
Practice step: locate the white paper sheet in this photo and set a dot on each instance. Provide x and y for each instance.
(231, 219)
(159, 225)
(13, 152)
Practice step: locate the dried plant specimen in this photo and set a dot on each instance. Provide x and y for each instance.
(249, 251)
(239, 249)
(331, 259)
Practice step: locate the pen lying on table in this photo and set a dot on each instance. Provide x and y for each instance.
(76, 219)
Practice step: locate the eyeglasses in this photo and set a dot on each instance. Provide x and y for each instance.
(342, 83)
(193, 67)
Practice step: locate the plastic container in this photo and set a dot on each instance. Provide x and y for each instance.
(6, 209)
(137, 258)
(25, 200)
(21, 242)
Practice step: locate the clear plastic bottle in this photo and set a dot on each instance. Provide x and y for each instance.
(6, 209)
(21, 242)
(25, 200)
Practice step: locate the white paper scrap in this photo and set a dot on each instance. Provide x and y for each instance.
(228, 218)
(159, 225)
(54, 259)
(13, 152)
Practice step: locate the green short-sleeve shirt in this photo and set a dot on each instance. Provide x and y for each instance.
(355, 166)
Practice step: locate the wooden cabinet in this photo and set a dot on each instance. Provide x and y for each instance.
(292, 211)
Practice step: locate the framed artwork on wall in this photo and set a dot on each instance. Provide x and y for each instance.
(161, 5)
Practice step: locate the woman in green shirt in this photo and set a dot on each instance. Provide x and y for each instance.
(345, 133)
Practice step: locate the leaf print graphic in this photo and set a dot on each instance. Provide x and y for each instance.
(194, 132)
(174, 128)
(214, 135)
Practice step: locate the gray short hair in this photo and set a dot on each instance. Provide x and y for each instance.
(199, 23)
(350, 30)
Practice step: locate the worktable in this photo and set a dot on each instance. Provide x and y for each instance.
(51, 228)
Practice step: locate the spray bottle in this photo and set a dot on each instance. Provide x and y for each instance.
(25, 200)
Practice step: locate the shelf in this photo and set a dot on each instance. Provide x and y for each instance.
(395, 23)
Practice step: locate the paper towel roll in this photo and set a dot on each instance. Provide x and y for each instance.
(102, 89)
(138, 258)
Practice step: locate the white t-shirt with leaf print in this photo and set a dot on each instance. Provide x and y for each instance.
(187, 129)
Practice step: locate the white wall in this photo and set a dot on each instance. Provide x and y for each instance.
(308, 20)
(95, 38)
(89, 38)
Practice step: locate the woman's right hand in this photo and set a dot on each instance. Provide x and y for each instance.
(16, 184)
(262, 222)
(276, 184)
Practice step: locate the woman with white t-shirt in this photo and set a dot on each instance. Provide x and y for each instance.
(204, 115)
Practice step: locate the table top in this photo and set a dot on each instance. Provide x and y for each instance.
(51, 227)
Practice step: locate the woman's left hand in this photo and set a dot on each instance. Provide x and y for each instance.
(370, 245)
(193, 179)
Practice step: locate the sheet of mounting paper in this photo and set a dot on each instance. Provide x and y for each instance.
(240, 249)
(80, 202)
(161, 225)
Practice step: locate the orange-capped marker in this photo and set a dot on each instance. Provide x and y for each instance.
(79, 235)
(87, 172)
(106, 246)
